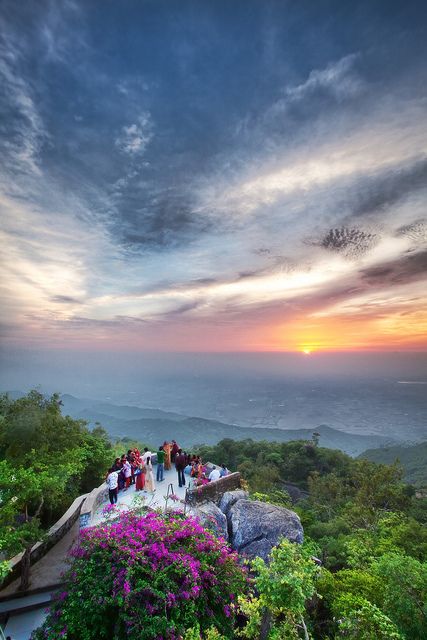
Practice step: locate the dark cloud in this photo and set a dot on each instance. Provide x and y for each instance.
(184, 308)
(202, 282)
(65, 300)
(376, 193)
(404, 270)
(162, 220)
(416, 231)
(349, 242)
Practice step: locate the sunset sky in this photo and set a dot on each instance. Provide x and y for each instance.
(244, 175)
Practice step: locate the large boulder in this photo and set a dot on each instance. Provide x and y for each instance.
(231, 497)
(256, 527)
(211, 518)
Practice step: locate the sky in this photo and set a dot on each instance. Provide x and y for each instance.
(213, 175)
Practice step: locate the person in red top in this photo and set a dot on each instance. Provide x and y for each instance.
(180, 462)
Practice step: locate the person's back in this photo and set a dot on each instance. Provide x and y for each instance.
(160, 464)
(112, 479)
(180, 460)
(214, 474)
(224, 471)
(113, 485)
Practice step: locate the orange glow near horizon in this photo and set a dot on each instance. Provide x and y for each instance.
(346, 333)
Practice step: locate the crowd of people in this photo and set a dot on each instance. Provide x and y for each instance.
(137, 468)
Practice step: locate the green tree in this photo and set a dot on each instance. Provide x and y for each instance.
(283, 587)
(405, 592)
(23, 493)
(365, 621)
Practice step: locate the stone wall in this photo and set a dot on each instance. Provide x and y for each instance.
(213, 491)
(96, 497)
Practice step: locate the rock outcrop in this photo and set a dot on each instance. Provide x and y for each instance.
(253, 527)
(256, 527)
(231, 497)
(211, 517)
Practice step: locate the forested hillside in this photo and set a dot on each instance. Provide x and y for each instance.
(368, 529)
(412, 458)
(154, 426)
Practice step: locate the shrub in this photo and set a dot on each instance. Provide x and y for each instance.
(144, 578)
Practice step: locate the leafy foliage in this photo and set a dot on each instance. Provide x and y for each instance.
(370, 529)
(412, 458)
(282, 589)
(46, 460)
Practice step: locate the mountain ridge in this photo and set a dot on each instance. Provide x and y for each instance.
(154, 426)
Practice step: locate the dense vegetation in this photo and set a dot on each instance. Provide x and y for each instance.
(46, 461)
(369, 529)
(365, 525)
(412, 458)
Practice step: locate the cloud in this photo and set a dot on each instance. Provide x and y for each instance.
(25, 134)
(416, 231)
(378, 192)
(65, 299)
(153, 218)
(403, 270)
(350, 242)
(340, 79)
(135, 138)
(151, 205)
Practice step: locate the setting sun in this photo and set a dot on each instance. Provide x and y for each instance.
(306, 351)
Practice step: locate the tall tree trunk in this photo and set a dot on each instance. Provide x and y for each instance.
(25, 569)
(266, 621)
(26, 558)
(306, 636)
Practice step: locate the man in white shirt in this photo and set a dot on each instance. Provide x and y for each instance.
(113, 484)
(214, 475)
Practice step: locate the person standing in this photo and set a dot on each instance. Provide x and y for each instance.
(113, 485)
(160, 464)
(127, 472)
(140, 477)
(224, 471)
(214, 474)
(149, 476)
(146, 457)
(175, 450)
(180, 461)
(167, 448)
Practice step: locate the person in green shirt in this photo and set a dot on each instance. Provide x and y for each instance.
(160, 464)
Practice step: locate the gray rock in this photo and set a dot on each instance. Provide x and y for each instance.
(231, 497)
(256, 527)
(212, 518)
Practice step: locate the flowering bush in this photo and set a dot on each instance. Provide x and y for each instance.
(146, 578)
